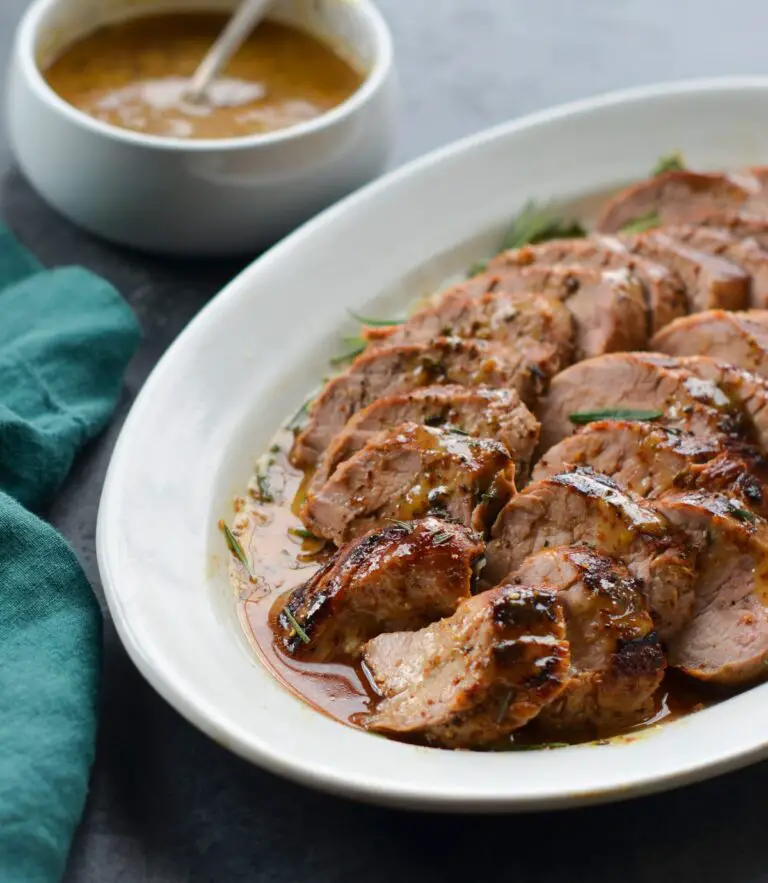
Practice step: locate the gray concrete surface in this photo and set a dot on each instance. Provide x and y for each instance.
(167, 805)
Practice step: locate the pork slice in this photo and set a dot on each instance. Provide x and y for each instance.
(382, 372)
(746, 393)
(710, 281)
(636, 382)
(738, 338)
(472, 679)
(403, 576)
(745, 253)
(586, 508)
(740, 225)
(652, 461)
(616, 658)
(608, 306)
(664, 290)
(520, 320)
(480, 411)
(412, 471)
(676, 197)
(726, 641)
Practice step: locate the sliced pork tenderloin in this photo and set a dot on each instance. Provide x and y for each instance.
(710, 282)
(665, 291)
(382, 372)
(634, 382)
(403, 576)
(745, 392)
(480, 411)
(470, 680)
(726, 641)
(747, 254)
(608, 306)
(740, 339)
(652, 461)
(617, 662)
(513, 319)
(679, 197)
(586, 508)
(411, 472)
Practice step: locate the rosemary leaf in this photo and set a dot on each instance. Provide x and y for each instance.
(742, 514)
(534, 225)
(303, 636)
(357, 345)
(375, 323)
(457, 431)
(584, 417)
(672, 162)
(642, 223)
(477, 268)
(274, 449)
(406, 525)
(441, 538)
(303, 533)
(265, 494)
(296, 423)
(236, 549)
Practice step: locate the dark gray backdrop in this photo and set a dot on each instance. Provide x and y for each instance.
(167, 805)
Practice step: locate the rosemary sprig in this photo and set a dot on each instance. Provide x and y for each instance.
(303, 636)
(303, 533)
(236, 549)
(265, 493)
(584, 417)
(356, 346)
(642, 223)
(534, 225)
(672, 162)
(375, 323)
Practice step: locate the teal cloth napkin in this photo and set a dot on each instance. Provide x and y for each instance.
(66, 337)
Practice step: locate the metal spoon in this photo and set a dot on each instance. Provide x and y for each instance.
(227, 43)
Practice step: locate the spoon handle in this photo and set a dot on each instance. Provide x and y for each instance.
(227, 43)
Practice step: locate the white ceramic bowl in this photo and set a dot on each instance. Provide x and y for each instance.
(248, 360)
(201, 197)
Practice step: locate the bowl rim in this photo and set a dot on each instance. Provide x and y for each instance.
(199, 711)
(24, 56)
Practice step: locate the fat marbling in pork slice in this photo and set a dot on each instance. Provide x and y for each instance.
(665, 291)
(634, 382)
(382, 372)
(586, 508)
(710, 281)
(617, 661)
(681, 197)
(745, 253)
(740, 339)
(480, 411)
(652, 461)
(470, 680)
(412, 471)
(726, 640)
(402, 576)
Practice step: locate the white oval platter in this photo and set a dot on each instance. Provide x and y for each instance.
(252, 356)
